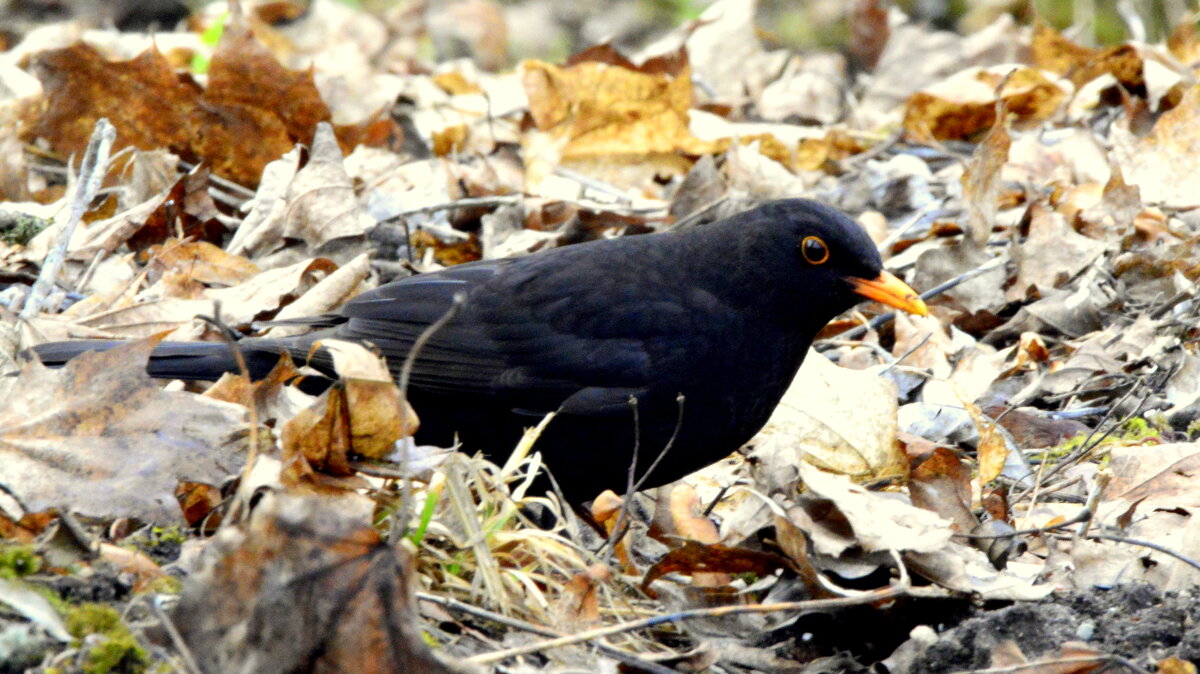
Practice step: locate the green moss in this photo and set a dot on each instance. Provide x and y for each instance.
(1135, 431)
(20, 228)
(118, 651)
(1193, 430)
(162, 544)
(18, 560)
(165, 585)
(168, 534)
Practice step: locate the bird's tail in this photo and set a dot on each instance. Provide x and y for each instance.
(201, 361)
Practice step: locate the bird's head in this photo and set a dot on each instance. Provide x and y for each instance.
(834, 264)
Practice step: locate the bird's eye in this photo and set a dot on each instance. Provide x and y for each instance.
(814, 250)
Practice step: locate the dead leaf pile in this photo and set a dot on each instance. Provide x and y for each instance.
(1034, 439)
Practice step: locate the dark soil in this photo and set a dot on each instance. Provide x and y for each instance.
(1137, 623)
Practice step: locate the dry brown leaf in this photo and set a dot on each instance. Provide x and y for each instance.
(869, 31)
(981, 181)
(942, 484)
(696, 558)
(596, 114)
(327, 591)
(1052, 253)
(965, 104)
(142, 568)
(252, 111)
(839, 419)
(1051, 51)
(100, 437)
(725, 51)
(876, 521)
(684, 519)
(1163, 165)
(102, 236)
(199, 502)
(187, 211)
(202, 262)
(992, 450)
(1165, 475)
(361, 415)
(270, 396)
(1175, 665)
(579, 604)
(327, 295)
(321, 202)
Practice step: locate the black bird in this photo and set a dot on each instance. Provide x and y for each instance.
(705, 329)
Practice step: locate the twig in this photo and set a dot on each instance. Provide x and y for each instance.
(410, 361)
(189, 661)
(235, 346)
(92, 170)
(1145, 544)
(1093, 501)
(633, 486)
(932, 292)
(1049, 665)
(611, 651)
(470, 202)
(695, 216)
(917, 218)
(592, 183)
(810, 605)
(1082, 516)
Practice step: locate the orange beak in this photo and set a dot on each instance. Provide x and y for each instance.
(889, 290)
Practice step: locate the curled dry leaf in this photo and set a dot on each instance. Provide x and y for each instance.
(579, 606)
(270, 397)
(592, 109)
(188, 211)
(1053, 52)
(1164, 164)
(682, 518)
(1052, 254)
(941, 483)
(327, 295)
(839, 419)
(876, 521)
(965, 104)
(981, 179)
(992, 449)
(303, 587)
(361, 415)
(696, 558)
(101, 438)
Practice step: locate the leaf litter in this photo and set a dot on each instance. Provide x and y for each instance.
(1031, 445)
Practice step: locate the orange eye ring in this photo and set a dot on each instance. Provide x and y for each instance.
(814, 250)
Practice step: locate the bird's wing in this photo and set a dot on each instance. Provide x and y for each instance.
(457, 357)
(534, 333)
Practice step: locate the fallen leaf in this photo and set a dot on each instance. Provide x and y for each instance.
(333, 594)
(839, 419)
(101, 438)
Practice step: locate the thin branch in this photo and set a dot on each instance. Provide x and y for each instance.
(1145, 544)
(190, 666)
(611, 651)
(92, 170)
(885, 594)
(471, 202)
(928, 294)
(410, 361)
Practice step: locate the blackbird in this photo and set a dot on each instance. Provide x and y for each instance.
(673, 348)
